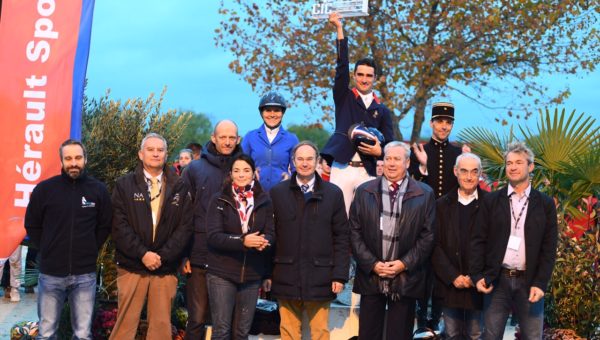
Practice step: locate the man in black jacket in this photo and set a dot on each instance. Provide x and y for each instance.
(151, 227)
(68, 219)
(514, 248)
(391, 230)
(455, 220)
(205, 178)
(312, 249)
(433, 163)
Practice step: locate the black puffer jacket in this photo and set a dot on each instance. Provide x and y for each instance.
(415, 237)
(313, 247)
(449, 259)
(205, 178)
(132, 222)
(227, 256)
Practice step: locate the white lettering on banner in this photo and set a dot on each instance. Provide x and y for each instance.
(44, 29)
(35, 95)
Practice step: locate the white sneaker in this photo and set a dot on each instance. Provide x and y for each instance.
(14, 295)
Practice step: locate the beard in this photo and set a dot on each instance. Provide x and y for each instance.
(74, 171)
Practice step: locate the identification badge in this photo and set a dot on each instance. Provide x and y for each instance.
(514, 242)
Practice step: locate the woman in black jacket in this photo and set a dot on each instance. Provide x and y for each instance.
(240, 235)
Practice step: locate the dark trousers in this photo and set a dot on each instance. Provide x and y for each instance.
(423, 304)
(197, 304)
(400, 318)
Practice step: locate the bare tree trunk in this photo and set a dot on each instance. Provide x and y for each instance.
(419, 116)
(396, 127)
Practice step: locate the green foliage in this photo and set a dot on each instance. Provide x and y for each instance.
(313, 132)
(567, 168)
(573, 299)
(198, 130)
(566, 148)
(113, 131)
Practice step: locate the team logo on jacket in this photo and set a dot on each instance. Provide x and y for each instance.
(175, 200)
(375, 114)
(86, 204)
(138, 197)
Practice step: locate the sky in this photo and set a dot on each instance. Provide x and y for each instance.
(138, 47)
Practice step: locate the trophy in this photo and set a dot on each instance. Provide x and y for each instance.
(346, 8)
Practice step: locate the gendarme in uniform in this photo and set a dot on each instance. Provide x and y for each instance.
(441, 156)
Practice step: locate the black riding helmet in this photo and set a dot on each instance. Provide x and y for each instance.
(272, 98)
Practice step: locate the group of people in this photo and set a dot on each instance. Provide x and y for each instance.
(257, 215)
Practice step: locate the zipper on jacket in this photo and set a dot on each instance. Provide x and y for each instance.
(71, 232)
(243, 273)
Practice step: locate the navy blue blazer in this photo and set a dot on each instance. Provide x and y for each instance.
(349, 110)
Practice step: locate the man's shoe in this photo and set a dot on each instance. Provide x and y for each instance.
(14, 295)
(7, 292)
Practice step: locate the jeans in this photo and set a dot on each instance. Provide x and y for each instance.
(80, 291)
(462, 323)
(231, 300)
(512, 291)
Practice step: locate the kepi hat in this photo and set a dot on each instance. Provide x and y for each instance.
(442, 110)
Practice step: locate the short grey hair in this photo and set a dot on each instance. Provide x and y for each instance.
(302, 143)
(395, 144)
(153, 135)
(468, 155)
(519, 147)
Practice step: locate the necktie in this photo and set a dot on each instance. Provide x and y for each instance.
(154, 203)
(393, 192)
(304, 188)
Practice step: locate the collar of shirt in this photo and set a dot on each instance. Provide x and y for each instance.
(511, 189)
(271, 133)
(438, 143)
(149, 177)
(367, 98)
(310, 183)
(466, 200)
(389, 183)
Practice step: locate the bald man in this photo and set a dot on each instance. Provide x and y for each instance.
(205, 177)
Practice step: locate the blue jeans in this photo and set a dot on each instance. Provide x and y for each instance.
(232, 307)
(462, 323)
(512, 291)
(80, 291)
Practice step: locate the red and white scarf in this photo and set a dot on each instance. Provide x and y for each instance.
(244, 202)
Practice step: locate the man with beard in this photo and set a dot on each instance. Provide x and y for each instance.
(68, 219)
(205, 178)
(151, 227)
(270, 146)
